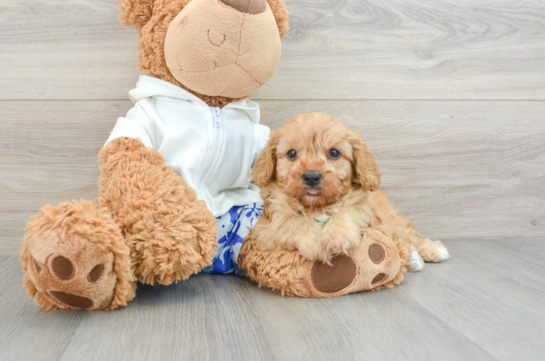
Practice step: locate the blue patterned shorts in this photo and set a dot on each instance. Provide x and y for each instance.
(232, 228)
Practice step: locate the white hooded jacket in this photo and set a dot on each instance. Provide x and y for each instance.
(213, 149)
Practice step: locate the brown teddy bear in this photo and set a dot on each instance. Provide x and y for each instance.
(164, 174)
(176, 195)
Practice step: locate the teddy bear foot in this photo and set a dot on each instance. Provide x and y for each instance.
(74, 256)
(377, 263)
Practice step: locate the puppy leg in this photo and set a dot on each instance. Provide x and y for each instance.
(433, 251)
(428, 250)
(416, 263)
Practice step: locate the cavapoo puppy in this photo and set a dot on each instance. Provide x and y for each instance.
(320, 185)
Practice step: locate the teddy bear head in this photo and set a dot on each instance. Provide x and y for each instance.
(220, 50)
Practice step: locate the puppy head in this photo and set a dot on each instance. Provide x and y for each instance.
(316, 159)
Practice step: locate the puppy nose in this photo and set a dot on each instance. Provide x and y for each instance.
(247, 6)
(312, 178)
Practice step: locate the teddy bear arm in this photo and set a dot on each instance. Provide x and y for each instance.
(171, 233)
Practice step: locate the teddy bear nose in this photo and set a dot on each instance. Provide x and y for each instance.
(312, 178)
(247, 6)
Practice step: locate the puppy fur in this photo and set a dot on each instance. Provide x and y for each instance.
(329, 218)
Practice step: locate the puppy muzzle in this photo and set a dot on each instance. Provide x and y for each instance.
(312, 178)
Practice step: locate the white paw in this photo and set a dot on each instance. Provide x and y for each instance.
(443, 253)
(416, 263)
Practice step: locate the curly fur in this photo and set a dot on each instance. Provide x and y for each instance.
(66, 222)
(170, 232)
(154, 227)
(289, 273)
(281, 271)
(297, 227)
(145, 224)
(350, 186)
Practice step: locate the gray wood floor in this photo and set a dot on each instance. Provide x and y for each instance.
(485, 303)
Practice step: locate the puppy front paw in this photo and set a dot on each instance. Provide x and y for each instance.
(332, 245)
(416, 263)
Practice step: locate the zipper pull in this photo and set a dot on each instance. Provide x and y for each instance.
(217, 122)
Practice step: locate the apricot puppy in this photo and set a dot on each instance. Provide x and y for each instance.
(320, 185)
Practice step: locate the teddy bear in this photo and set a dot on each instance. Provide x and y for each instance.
(175, 194)
(181, 157)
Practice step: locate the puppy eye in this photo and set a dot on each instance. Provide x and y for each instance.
(292, 154)
(334, 153)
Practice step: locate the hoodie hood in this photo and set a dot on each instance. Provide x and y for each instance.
(149, 87)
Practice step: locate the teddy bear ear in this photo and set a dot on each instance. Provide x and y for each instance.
(280, 13)
(135, 13)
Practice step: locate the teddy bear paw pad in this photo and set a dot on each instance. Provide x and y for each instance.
(330, 279)
(377, 253)
(62, 268)
(72, 300)
(73, 274)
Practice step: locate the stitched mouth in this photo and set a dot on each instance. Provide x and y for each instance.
(211, 42)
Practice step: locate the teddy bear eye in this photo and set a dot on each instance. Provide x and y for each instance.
(292, 154)
(334, 153)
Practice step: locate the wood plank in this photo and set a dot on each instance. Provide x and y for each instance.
(230, 318)
(26, 331)
(456, 169)
(356, 49)
(214, 317)
(485, 296)
(471, 307)
(525, 254)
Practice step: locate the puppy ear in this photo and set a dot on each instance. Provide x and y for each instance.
(265, 166)
(280, 13)
(135, 13)
(365, 167)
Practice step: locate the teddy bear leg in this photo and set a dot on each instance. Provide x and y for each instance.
(170, 232)
(167, 248)
(74, 256)
(377, 263)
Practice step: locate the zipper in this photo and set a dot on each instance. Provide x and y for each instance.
(216, 123)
